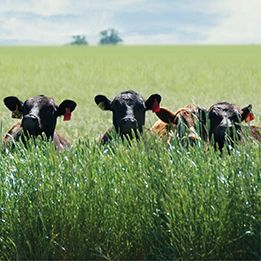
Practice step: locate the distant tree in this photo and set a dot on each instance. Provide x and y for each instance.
(79, 40)
(110, 36)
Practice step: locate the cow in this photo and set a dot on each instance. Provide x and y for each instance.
(128, 113)
(38, 118)
(225, 123)
(187, 124)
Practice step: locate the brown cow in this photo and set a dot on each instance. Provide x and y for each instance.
(189, 121)
(39, 116)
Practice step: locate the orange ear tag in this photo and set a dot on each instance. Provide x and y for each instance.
(155, 106)
(67, 115)
(249, 117)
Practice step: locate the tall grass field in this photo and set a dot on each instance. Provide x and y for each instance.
(144, 200)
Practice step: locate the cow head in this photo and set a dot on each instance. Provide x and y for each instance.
(225, 123)
(128, 110)
(39, 114)
(185, 120)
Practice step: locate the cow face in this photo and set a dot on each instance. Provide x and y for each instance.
(39, 114)
(225, 121)
(128, 110)
(185, 121)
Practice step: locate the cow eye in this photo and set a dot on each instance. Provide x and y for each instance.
(48, 110)
(116, 105)
(25, 109)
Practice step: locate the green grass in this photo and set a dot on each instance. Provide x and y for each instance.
(181, 74)
(121, 202)
(145, 201)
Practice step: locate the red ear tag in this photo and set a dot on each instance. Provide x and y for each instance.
(155, 106)
(249, 117)
(67, 115)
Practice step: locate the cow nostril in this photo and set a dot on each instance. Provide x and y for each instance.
(30, 118)
(125, 120)
(128, 120)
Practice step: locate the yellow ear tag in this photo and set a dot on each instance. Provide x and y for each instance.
(101, 105)
(16, 114)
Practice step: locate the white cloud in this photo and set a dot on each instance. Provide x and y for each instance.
(56, 7)
(42, 7)
(150, 39)
(241, 22)
(59, 31)
(55, 21)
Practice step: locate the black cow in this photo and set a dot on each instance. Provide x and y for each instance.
(225, 123)
(128, 112)
(39, 116)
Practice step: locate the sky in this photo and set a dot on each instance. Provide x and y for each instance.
(51, 22)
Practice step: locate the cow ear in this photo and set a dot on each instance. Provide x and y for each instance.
(246, 113)
(12, 102)
(153, 102)
(103, 102)
(14, 105)
(66, 107)
(166, 115)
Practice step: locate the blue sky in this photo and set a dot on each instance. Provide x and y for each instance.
(138, 21)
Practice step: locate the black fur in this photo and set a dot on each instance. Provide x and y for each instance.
(39, 113)
(225, 123)
(128, 111)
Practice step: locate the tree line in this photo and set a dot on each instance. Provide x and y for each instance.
(108, 36)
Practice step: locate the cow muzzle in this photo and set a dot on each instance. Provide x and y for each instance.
(193, 136)
(128, 125)
(31, 124)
